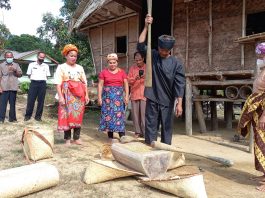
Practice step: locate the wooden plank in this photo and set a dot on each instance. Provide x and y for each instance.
(229, 115)
(223, 83)
(218, 99)
(218, 73)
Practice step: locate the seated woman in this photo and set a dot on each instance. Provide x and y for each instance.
(111, 87)
(73, 95)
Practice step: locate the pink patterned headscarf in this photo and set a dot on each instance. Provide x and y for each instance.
(260, 49)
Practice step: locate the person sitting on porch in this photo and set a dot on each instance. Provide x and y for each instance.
(253, 113)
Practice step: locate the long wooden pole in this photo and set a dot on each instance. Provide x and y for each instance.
(148, 78)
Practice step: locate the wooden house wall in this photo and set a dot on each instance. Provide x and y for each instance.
(227, 26)
(102, 41)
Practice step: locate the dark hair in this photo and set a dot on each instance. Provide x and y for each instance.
(140, 53)
(8, 52)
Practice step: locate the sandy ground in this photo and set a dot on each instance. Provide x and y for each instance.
(72, 161)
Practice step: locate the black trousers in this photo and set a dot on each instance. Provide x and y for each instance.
(8, 96)
(76, 136)
(154, 115)
(37, 90)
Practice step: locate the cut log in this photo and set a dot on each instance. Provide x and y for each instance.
(142, 158)
(24, 180)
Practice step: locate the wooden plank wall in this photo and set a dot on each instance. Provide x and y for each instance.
(227, 20)
(102, 40)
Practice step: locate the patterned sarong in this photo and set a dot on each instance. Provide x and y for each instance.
(112, 110)
(250, 115)
(71, 114)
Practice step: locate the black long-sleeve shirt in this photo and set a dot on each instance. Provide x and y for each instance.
(168, 79)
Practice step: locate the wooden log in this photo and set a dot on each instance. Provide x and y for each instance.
(231, 92)
(188, 105)
(217, 73)
(142, 158)
(199, 111)
(24, 180)
(223, 83)
(245, 91)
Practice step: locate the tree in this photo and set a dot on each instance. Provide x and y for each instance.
(4, 35)
(69, 8)
(5, 4)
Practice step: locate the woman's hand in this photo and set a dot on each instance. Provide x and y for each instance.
(261, 123)
(99, 102)
(126, 100)
(61, 101)
(87, 99)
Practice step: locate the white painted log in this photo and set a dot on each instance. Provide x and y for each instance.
(142, 158)
(24, 180)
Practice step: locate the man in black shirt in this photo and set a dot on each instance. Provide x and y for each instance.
(168, 82)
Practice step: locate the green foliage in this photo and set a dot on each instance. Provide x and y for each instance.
(4, 35)
(5, 4)
(24, 87)
(94, 78)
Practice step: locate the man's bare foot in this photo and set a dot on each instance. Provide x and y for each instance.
(258, 178)
(67, 143)
(261, 188)
(78, 142)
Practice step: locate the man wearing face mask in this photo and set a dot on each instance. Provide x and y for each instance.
(37, 72)
(9, 73)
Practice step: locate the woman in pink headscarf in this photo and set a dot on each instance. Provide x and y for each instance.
(253, 113)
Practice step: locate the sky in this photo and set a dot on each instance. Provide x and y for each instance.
(25, 16)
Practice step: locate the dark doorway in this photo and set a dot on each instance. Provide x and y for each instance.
(162, 14)
(255, 23)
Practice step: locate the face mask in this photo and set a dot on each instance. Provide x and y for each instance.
(9, 60)
(40, 61)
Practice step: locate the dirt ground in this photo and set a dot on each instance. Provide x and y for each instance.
(72, 161)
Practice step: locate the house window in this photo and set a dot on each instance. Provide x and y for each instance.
(255, 23)
(121, 44)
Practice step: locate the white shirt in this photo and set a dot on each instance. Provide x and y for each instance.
(38, 72)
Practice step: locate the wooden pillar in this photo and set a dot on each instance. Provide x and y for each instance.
(188, 109)
(101, 48)
(243, 33)
(214, 120)
(251, 140)
(229, 115)
(199, 111)
(210, 43)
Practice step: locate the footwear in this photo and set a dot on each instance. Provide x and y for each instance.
(67, 143)
(78, 142)
(38, 119)
(26, 119)
(13, 120)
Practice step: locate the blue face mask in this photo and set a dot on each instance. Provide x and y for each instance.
(9, 60)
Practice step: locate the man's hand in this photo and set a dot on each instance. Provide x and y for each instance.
(148, 20)
(179, 110)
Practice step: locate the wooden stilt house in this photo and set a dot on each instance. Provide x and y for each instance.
(215, 40)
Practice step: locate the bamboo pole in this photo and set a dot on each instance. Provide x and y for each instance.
(243, 33)
(101, 48)
(210, 44)
(148, 79)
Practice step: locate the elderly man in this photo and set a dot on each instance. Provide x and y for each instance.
(37, 72)
(168, 82)
(9, 73)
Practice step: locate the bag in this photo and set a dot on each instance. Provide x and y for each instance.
(37, 144)
(77, 88)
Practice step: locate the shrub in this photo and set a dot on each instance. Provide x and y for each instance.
(24, 87)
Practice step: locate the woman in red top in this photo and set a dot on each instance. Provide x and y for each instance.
(112, 83)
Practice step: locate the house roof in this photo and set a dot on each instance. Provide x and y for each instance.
(93, 12)
(24, 55)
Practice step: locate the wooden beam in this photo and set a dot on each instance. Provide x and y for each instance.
(243, 33)
(218, 99)
(187, 37)
(218, 73)
(223, 83)
(135, 5)
(188, 109)
(210, 42)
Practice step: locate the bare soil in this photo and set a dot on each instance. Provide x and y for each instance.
(220, 181)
